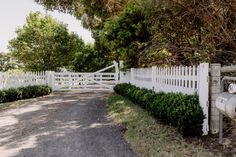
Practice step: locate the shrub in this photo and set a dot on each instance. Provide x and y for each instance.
(13, 94)
(35, 91)
(2, 96)
(44, 90)
(181, 111)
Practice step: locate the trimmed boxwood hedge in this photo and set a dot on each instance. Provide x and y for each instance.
(181, 111)
(13, 94)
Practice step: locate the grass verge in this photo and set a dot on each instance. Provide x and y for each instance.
(16, 104)
(147, 136)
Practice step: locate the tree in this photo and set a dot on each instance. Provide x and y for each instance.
(179, 32)
(124, 36)
(92, 12)
(89, 60)
(45, 44)
(188, 31)
(8, 63)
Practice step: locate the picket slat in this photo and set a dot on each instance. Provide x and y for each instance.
(181, 79)
(8, 80)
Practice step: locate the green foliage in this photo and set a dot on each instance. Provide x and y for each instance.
(13, 94)
(122, 35)
(191, 31)
(91, 12)
(89, 60)
(8, 63)
(45, 44)
(34, 91)
(178, 110)
(158, 32)
(148, 137)
(2, 96)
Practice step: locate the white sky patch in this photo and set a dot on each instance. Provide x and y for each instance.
(13, 14)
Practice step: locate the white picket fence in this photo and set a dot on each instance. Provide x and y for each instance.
(92, 81)
(181, 79)
(64, 81)
(21, 79)
(60, 81)
(84, 81)
(186, 80)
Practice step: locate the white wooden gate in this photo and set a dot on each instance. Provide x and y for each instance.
(99, 80)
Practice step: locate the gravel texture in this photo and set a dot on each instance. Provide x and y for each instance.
(62, 125)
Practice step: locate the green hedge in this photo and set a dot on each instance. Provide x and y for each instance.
(13, 94)
(181, 111)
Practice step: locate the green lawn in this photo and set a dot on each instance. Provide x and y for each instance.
(147, 136)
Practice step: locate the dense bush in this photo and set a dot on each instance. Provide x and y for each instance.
(178, 110)
(13, 94)
(2, 96)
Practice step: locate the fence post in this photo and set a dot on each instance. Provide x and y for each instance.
(121, 66)
(50, 79)
(215, 90)
(204, 94)
(53, 80)
(117, 72)
(154, 77)
(47, 77)
(132, 76)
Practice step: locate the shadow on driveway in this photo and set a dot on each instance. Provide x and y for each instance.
(62, 125)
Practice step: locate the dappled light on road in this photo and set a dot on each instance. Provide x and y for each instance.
(62, 125)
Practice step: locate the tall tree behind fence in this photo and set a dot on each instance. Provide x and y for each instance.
(181, 79)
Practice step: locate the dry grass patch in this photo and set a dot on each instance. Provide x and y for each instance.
(147, 136)
(20, 103)
(16, 104)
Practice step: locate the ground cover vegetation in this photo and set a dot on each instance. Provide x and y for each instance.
(149, 137)
(13, 94)
(181, 111)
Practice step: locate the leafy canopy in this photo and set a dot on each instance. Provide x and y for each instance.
(8, 63)
(92, 12)
(123, 35)
(45, 44)
(158, 32)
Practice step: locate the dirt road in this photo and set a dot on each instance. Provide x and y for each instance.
(63, 125)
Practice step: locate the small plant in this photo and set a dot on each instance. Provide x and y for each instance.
(2, 96)
(12, 94)
(181, 111)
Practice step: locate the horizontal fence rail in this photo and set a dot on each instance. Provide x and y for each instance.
(86, 81)
(62, 81)
(21, 79)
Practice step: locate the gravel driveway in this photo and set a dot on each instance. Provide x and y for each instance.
(62, 125)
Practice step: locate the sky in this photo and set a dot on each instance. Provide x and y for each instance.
(13, 14)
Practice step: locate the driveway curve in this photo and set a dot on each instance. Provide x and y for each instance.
(62, 125)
